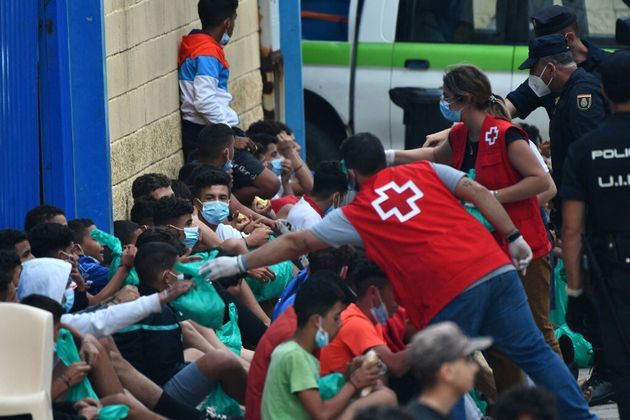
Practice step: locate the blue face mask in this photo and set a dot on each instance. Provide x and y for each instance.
(224, 39)
(215, 211)
(321, 337)
(380, 313)
(192, 236)
(227, 166)
(448, 113)
(276, 166)
(69, 303)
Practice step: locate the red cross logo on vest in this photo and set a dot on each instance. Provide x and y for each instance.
(396, 200)
(492, 135)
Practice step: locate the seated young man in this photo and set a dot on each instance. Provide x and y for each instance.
(151, 185)
(439, 356)
(44, 213)
(291, 388)
(17, 241)
(285, 323)
(10, 269)
(154, 345)
(329, 190)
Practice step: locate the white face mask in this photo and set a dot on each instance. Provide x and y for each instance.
(538, 85)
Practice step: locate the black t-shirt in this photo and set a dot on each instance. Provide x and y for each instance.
(246, 169)
(470, 156)
(421, 412)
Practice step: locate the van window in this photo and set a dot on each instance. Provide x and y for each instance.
(325, 20)
(463, 21)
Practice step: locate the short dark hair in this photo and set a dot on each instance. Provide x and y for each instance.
(153, 258)
(207, 177)
(614, 71)
(532, 132)
(45, 303)
(332, 259)
(329, 178)
(264, 140)
(41, 214)
(48, 238)
(366, 274)
(145, 184)
(213, 12)
(142, 211)
(166, 209)
(9, 238)
(161, 234)
(181, 190)
(124, 230)
(263, 127)
(212, 139)
(382, 412)
(9, 260)
(79, 228)
(536, 403)
(364, 153)
(317, 296)
(186, 171)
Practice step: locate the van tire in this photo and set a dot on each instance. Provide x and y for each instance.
(320, 145)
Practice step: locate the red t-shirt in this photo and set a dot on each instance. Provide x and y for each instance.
(278, 332)
(356, 336)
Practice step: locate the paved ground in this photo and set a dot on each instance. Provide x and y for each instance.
(604, 412)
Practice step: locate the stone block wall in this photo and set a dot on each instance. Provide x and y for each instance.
(142, 40)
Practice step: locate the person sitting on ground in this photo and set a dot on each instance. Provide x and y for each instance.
(291, 388)
(151, 185)
(44, 213)
(154, 345)
(17, 241)
(439, 356)
(329, 190)
(362, 329)
(525, 403)
(10, 269)
(215, 147)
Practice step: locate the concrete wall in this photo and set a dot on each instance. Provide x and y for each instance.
(142, 40)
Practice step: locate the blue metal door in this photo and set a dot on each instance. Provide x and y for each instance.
(19, 125)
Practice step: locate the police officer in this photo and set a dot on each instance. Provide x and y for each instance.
(556, 20)
(596, 198)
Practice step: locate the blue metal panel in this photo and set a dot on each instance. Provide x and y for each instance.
(291, 46)
(19, 136)
(75, 143)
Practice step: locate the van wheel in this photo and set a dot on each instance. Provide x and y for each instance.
(320, 145)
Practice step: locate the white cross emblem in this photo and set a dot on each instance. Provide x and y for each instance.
(413, 194)
(492, 135)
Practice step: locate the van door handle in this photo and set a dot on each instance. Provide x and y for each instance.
(417, 64)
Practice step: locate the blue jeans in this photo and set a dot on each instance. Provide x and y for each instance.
(498, 308)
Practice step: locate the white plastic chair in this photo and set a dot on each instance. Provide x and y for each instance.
(26, 356)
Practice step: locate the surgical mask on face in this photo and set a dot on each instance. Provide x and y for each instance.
(178, 277)
(276, 166)
(228, 166)
(321, 336)
(69, 302)
(224, 39)
(448, 113)
(380, 312)
(214, 212)
(192, 236)
(538, 85)
(333, 206)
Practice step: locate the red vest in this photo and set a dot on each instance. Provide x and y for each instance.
(494, 171)
(417, 232)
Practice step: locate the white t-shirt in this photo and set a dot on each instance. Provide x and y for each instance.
(541, 160)
(302, 216)
(225, 232)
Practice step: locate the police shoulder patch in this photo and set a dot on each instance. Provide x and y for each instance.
(584, 101)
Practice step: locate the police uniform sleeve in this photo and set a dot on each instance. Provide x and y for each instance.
(587, 112)
(524, 100)
(573, 183)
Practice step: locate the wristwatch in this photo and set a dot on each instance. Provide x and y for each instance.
(514, 235)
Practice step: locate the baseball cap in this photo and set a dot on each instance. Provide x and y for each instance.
(442, 343)
(544, 46)
(552, 19)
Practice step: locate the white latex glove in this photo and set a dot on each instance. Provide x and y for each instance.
(223, 267)
(520, 253)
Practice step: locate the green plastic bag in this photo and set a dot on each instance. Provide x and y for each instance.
(230, 334)
(558, 314)
(474, 211)
(583, 349)
(113, 243)
(113, 412)
(68, 353)
(270, 290)
(330, 385)
(481, 404)
(202, 304)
